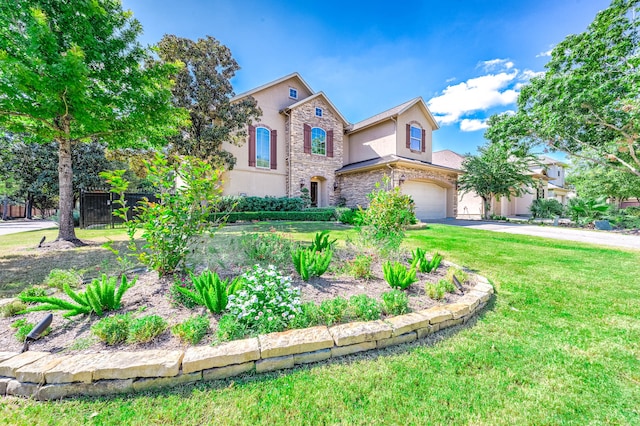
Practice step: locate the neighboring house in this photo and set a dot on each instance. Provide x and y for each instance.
(549, 183)
(303, 141)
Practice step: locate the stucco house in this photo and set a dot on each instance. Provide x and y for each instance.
(303, 141)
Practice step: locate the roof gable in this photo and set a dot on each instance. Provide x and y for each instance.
(395, 112)
(293, 76)
(326, 99)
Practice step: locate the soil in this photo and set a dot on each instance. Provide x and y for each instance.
(150, 295)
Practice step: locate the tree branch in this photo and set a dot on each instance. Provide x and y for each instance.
(22, 114)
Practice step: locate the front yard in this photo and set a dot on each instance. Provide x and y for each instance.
(560, 344)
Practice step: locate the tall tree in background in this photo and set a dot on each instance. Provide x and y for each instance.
(595, 181)
(500, 169)
(203, 87)
(73, 72)
(587, 103)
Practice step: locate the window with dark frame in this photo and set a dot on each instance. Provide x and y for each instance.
(318, 141)
(416, 138)
(293, 93)
(263, 148)
(318, 112)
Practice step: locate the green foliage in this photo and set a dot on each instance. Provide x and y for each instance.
(395, 302)
(398, 276)
(311, 215)
(628, 218)
(23, 328)
(113, 329)
(33, 291)
(309, 263)
(364, 308)
(181, 214)
(193, 330)
(267, 303)
(232, 328)
(321, 242)
(360, 267)
(546, 208)
(100, 296)
(388, 215)
(59, 277)
(461, 275)
(419, 261)
(333, 311)
(583, 210)
(437, 290)
(145, 329)
(268, 248)
(179, 298)
(237, 204)
(211, 291)
(593, 181)
(13, 308)
(309, 316)
(351, 217)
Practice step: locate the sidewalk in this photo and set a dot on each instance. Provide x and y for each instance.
(22, 225)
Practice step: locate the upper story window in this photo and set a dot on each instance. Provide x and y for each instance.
(263, 148)
(415, 138)
(318, 112)
(293, 93)
(318, 141)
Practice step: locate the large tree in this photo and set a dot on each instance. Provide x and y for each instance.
(500, 169)
(595, 181)
(587, 103)
(73, 72)
(203, 87)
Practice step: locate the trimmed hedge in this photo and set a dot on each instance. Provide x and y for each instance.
(315, 215)
(259, 204)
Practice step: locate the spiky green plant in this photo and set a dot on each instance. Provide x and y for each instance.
(321, 242)
(419, 261)
(309, 263)
(398, 276)
(100, 296)
(211, 291)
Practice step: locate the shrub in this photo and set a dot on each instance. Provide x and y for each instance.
(267, 303)
(583, 210)
(211, 291)
(311, 215)
(333, 311)
(437, 291)
(145, 329)
(59, 277)
(395, 302)
(177, 297)
(364, 308)
(398, 276)
(351, 217)
(309, 316)
(321, 242)
(23, 328)
(112, 330)
(100, 296)
(192, 330)
(461, 275)
(13, 308)
(268, 248)
(360, 267)
(310, 263)
(33, 292)
(259, 204)
(232, 328)
(546, 208)
(419, 261)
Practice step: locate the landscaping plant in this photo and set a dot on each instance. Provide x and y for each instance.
(23, 328)
(364, 308)
(333, 311)
(461, 275)
(310, 263)
(177, 297)
(145, 329)
(33, 291)
(211, 291)
(360, 267)
(395, 302)
(546, 208)
(100, 296)
(437, 290)
(268, 248)
(192, 330)
(309, 316)
(321, 242)
(113, 329)
(398, 276)
(13, 308)
(419, 261)
(59, 277)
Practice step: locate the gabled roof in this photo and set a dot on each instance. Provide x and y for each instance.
(325, 98)
(273, 83)
(394, 112)
(377, 162)
(548, 160)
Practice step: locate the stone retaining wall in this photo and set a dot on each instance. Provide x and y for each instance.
(44, 376)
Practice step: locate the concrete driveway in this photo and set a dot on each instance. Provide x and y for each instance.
(605, 238)
(18, 225)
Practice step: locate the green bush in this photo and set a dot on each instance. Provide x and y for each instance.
(232, 328)
(23, 328)
(546, 208)
(113, 329)
(321, 242)
(33, 291)
(177, 297)
(419, 261)
(395, 302)
(259, 204)
(310, 263)
(59, 277)
(364, 308)
(585, 210)
(438, 290)
(333, 311)
(13, 308)
(269, 248)
(309, 316)
(461, 275)
(211, 291)
(398, 276)
(360, 267)
(193, 330)
(350, 217)
(310, 215)
(145, 329)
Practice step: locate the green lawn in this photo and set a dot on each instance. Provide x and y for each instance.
(560, 345)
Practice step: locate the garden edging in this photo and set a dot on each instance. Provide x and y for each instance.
(46, 376)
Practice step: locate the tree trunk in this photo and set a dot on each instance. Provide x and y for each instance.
(28, 207)
(66, 232)
(5, 208)
(486, 202)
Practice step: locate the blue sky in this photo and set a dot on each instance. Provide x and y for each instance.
(466, 58)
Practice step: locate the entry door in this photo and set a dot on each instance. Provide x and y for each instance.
(314, 194)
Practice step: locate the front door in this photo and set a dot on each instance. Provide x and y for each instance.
(314, 194)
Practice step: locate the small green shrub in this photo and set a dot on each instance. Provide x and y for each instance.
(398, 276)
(321, 242)
(145, 329)
(360, 267)
(546, 208)
(193, 330)
(461, 275)
(113, 329)
(364, 308)
(310, 215)
(309, 316)
(179, 298)
(310, 263)
(395, 302)
(33, 291)
(351, 217)
(437, 290)
(269, 248)
(333, 311)
(13, 308)
(231, 328)
(211, 291)
(419, 261)
(259, 204)
(23, 328)
(59, 277)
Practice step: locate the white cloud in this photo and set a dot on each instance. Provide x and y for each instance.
(496, 65)
(544, 54)
(528, 74)
(471, 125)
(475, 94)
(449, 80)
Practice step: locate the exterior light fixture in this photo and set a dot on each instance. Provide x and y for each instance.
(37, 331)
(301, 182)
(402, 179)
(335, 185)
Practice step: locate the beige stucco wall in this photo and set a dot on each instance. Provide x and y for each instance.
(258, 183)
(469, 206)
(375, 141)
(414, 115)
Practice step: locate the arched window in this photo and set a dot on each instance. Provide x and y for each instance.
(263, 148)
(318, 141)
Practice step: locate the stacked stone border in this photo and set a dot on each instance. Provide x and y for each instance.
(44, 376)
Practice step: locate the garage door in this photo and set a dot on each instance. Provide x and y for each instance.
(430, 199)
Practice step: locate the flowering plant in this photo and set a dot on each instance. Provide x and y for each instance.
(267, 303)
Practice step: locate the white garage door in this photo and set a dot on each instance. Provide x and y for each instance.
(430, 199)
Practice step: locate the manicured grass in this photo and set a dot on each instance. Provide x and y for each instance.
(560, 345)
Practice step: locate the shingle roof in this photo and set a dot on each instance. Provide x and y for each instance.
(388, 159)
(395, 111)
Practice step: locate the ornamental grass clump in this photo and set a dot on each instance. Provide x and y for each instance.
(267, 303)
(211, 291)
(419, 261)
(398, 276)
(192, 330)
(310, 263)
